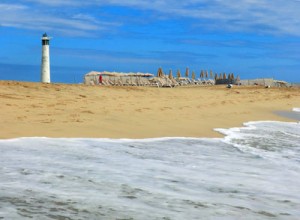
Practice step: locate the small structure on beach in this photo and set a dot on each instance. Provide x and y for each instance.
(226, 80)
(270, 82)
(117, 78)
(147, 79)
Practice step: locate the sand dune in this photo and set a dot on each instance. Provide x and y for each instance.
(62, 110)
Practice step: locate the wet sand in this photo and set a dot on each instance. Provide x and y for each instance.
(69, 110)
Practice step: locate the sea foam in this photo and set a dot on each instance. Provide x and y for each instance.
(296, 109)
(251, 173)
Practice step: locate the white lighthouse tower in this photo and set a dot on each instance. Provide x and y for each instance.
(45, 68)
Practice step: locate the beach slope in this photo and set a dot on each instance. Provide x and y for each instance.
(69, 110)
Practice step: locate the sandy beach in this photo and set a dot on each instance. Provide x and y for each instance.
(68, 110)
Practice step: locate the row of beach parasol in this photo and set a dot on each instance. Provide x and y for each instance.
(204, 74)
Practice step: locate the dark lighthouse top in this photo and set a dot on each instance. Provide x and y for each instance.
(45, 39)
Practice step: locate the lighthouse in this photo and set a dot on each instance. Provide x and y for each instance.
(45, 68)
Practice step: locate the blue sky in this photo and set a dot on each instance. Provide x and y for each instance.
(251, 38)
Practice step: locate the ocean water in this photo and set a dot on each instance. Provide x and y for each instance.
(251, 173)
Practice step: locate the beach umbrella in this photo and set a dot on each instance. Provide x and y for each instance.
(187, 72)
(193, 75)
(211, 74)
(170, 74)
(160, 72)
(231, 78)
(220, 76)
(206, 74)
(216, 76)
(178, 74)
(202, 74)
(224, 76)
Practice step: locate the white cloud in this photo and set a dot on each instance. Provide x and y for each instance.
(57, 2)
(256, 16)
(20, 16)
(12, 7)
(263, 16)
(276, 17)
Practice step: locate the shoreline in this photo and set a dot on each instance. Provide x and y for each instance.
(219, 136)
(79, 111)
